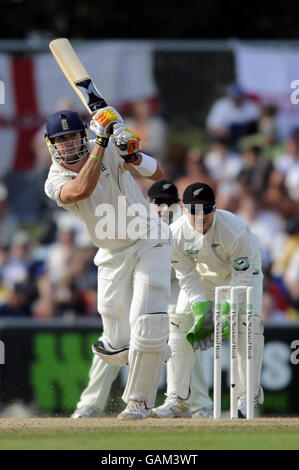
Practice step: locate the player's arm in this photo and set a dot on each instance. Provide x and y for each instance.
(187, 274)
(190, 281)
(128, 146)
(84, 184)
(133, 168)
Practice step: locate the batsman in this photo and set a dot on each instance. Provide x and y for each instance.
(93, 180)
(211, 248)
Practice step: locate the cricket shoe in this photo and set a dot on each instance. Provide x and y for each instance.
(135, 410)
(85, 412)
(242, 403)
(203, 412)
(242, 406)
(174, 407)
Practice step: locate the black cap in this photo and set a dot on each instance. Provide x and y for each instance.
(199, 193)
(163, 191)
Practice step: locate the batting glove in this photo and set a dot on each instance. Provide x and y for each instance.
(128, 144)
(102, 124)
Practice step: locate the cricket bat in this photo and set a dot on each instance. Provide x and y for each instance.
(76, 74)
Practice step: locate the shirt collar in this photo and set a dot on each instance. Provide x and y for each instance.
(63, 171)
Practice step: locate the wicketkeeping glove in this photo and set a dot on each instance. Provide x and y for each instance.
(102, 124)
(203, 322)
(201, 333)
(225, 316)
(128, 144)
(204, 344)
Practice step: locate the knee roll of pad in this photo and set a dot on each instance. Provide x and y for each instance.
(150, 332)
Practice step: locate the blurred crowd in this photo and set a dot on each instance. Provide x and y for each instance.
(46, 257)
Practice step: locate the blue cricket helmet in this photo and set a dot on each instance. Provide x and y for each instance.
(64, 122)
(61, 123)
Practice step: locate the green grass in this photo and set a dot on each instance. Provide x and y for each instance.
(154, 440)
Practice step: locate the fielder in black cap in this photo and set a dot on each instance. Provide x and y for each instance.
(199, 200)
(164, 194)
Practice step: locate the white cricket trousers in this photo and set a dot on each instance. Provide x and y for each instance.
(132, 282)
(102, 375)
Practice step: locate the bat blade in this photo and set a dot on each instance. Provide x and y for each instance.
(76, 74)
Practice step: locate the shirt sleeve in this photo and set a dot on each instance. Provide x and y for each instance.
(217, 116)
(53, 187)
(187, 274)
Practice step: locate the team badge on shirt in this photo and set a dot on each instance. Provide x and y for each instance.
(190, 249)
(241, 264)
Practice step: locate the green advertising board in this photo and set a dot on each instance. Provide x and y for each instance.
(59, 370)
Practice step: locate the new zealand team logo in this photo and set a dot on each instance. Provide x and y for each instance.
(241, 264)
(190, 249)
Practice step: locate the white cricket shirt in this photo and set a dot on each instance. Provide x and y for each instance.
(228, 254)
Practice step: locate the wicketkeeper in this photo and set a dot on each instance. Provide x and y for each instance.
(94, 181)
(210, 248)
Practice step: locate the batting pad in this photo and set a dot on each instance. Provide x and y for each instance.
(148, 351)
(181, 363)
(258, 328)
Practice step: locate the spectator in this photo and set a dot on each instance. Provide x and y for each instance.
(60, 254)
(12, 270)
(175, 160)
(233, 116)
(4, 292)
(8, 222)
(150, 128)
(256, 170)
(195, 170)
(21, 251)
(267, 129)
(267, 224)
(276, 196)
(17, 304)
(288, 165)
(289, 247)
(270, 312)
(224, 165)
(44, 305)
(291, 278)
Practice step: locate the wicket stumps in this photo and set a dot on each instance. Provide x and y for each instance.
(233, 351)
